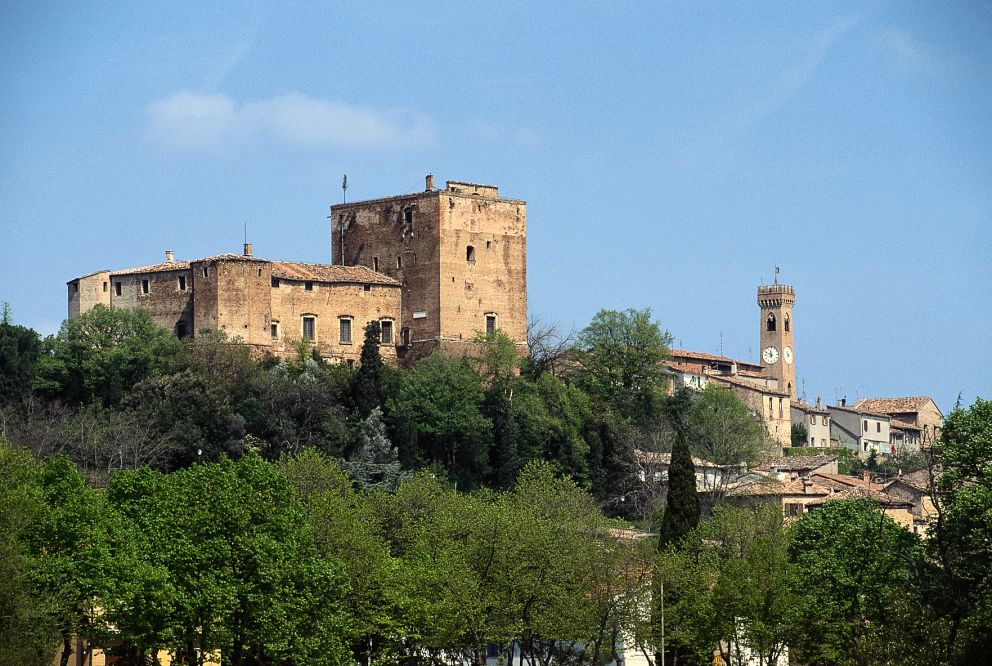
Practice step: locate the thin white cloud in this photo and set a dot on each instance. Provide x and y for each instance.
(909, 53)
(191, 120)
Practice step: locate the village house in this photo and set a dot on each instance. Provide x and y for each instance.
(920, 412)
(860, 430)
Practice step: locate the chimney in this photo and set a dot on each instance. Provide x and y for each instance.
(170, 257)
(843, 401)
(429, 184)
(818, 406)
(247, 249)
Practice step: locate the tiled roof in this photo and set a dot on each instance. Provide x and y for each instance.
(844, 481)
(154, 268)
(902, 425)
(666, 459)
(796, 463)
(806, 407)
(894, 405)
(860, 410)
(683, 367)
(864, 493)
(292, 270)
(703, 356)
(737, 381)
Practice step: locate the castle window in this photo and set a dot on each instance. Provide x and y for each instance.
(105, 286)
(181, 329)
(345, 330)
(308, 285)
(770, 324)
(787, 322)
(399, 263)
(386, 327)
(259, 272)
(770, 405)
(408, 217)
(375, 264)
(780, 407)
(309, 328)
(469, 253)
(490, 324)
(405, 336)
(489, 245)
(117, 288)
(144, 287)
(182, 283)
(275, 283)
(75, 287)
(366, 287)
(274, 330)
(204, 271)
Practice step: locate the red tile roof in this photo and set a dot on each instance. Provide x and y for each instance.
(154, 268)
(902, 425)
(293, 270)
(737, 381)
(895, 405)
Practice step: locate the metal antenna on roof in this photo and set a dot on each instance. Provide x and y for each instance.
(776, 275)
(721, 343)
(344, 189)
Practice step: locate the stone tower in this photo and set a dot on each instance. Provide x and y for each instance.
(777, 347)
(459, 252)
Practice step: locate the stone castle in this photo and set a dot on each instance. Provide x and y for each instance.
(436, 269)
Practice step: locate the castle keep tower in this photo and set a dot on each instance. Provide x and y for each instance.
(459, 252)
(777, 348)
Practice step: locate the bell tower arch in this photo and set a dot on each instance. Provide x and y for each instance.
(778, 353)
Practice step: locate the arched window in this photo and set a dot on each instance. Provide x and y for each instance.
(771, 322)
(787, 322)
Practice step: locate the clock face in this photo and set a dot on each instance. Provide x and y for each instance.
(770, 355)
(787, 355)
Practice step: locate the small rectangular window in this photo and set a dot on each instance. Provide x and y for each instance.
(274, 330)
(144, 286)
(489, 245)
(308, 285)
(105, 287)
(387, 332)
(366, 287)
(780, 407)
(866, 426)
(878, 426)
(309, 328)
(75, 287)
(405, 336)
(117, 288)
(823, 419)
(275, 283)
(345, 331)
(469, 253)
(408, 216)
(204, 271)
(490, 324)
(812, 441)
(182, 283)
(399, 263)
(259, 272)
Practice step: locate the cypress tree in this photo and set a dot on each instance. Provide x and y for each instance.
(367, 386)
(682, 505)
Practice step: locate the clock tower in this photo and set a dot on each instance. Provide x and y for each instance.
(777, 348)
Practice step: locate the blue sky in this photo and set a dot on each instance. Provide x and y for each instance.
(671, 155)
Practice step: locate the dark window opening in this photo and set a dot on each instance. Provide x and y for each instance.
(469, 253)
(345, 331)
(181, 330)
(105, 287)
(351, 363)
(366, 287)
(144, 286)
(75, 287)
(770, 325)
(399, 263)
(375, 264)
(117, 288)
(274, 330)
(405, 336)
(780, 407)
(309, 328)
(866, 426)
(770, 403)
(387, 332)
(259, 272)
(408, 216)
(878, 426)
(787, 322)
(489, 245)
(204, 271)
(490, 324)
(275, 282)
(182, 283)
(308, 285)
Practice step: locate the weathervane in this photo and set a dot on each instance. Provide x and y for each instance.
(344, 189)
(776, 275)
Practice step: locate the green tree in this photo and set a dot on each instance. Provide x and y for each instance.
(19, 351)
(367, 386)
(497, 363)
(682, 509)
(621, 357)
(552, 418)
(722, 429)
(28, 626)
(375, 463)
(960, 540)
(852, 565)
(440, 401)
(102, 353)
